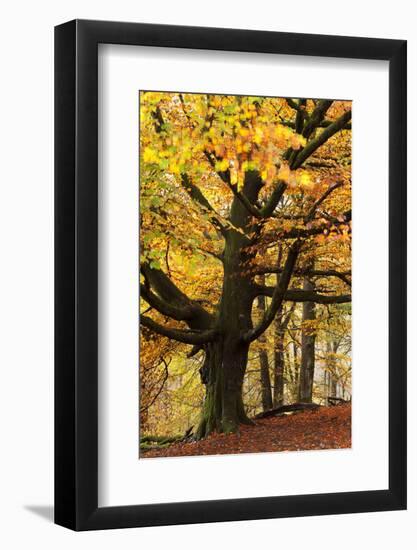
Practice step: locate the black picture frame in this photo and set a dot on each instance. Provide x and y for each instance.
(76, 272)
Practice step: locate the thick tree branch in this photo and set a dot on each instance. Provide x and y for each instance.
(307, 296)
(259, 213)
(163, 285)
(185, 336)
(316, 117)
(172, 295)
(179, 313)
(296, 295)
(251, 208)
(327, 123)
(319, 201)
(159, 119)
(308, 128)
(326, 134)
(342, 275)
(292, 103)
(304, 232)
(323, 124)
(301, 115)
(276, 195)
(277, 295)
(225, 177)
(268, 208)
(346, 215)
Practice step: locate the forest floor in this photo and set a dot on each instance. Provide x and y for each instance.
(323, 428)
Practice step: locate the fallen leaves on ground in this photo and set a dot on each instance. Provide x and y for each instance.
(324, 428)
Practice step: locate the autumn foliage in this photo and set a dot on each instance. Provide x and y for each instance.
(245, 252)
(326, 428)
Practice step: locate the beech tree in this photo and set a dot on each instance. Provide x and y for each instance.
(238, 196)
(308, 339)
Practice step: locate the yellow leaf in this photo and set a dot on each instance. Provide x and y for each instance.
(149, 155)
(284, 172)
(258, 135)
(222, 165)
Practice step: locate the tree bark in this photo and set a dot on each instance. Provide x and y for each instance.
(331, 349)
(308, 338)
(266, 391)
(227, 357)
(279, 360)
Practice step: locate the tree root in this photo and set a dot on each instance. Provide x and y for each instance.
(288, 408)
(148, 442)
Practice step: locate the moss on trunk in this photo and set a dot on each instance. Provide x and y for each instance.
(223, 408)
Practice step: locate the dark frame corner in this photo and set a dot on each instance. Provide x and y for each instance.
(76, 368)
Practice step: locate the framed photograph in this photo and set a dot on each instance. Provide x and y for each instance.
(230, 252)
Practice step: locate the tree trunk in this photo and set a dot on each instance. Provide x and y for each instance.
(223, 408)
(296, 366)
(224, 370)
(279, 360)
(307, 349)
(266, 391)
(281, 324)
(331, 349)
(226, 358)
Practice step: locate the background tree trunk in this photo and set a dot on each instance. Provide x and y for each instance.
(308, 338)
(266, 392)
(279, 360)
(331, 348)
(281, 324)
